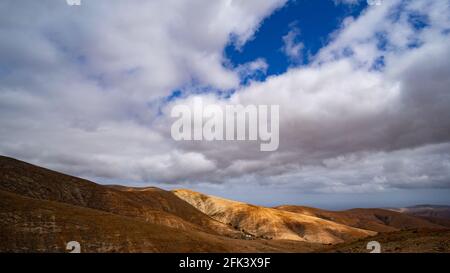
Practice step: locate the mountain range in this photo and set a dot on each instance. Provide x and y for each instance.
(42, 210)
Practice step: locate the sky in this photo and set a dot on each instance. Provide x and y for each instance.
(363, 92)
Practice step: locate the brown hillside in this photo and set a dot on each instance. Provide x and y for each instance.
(434, 211)
(32, 225)
(148, 204)
(271, 223)
(404, 241)
(379, 220)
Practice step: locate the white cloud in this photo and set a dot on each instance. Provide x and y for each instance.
(347, 2)
(291, 47)
(259, 66)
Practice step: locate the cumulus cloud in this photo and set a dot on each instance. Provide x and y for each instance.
(84, 91)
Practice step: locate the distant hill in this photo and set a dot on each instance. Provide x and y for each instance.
(436, 211)
(403, 241)
(379, 220)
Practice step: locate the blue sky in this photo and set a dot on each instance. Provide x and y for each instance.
(314, 23)
(315, 20)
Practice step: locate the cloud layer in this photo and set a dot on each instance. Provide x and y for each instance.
(84, 91)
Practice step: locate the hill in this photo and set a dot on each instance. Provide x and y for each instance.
(263, 222)
(41, 210)
(152, 205)
(404, 241)
(379, 220)
(32, 225)
(434, 211)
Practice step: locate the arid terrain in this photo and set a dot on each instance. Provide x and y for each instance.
(41, 210)
(272, 223)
